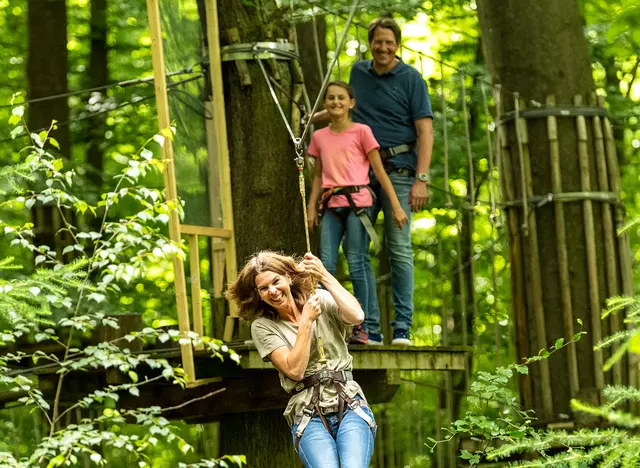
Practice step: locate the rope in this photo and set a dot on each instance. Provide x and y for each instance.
(316, 43)
(445, 135)
(352, 13)
(335, 41)
(275, 99)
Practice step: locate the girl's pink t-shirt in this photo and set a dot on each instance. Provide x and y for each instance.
(344, 161)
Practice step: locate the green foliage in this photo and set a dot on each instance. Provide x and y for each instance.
(506, 426)
(617, 446)
(58, 304)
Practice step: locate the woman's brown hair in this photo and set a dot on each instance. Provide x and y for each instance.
(245, 293)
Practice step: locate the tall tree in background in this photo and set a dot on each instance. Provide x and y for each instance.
(47, 65)
(98, 75)
(553, 61)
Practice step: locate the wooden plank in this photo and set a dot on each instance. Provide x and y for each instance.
(189, 229)
(385, 357)
(164, 122)
(534, 265)
(196, 300)
(563, 254)
(609, 236)
(215, 69)
(590, 243)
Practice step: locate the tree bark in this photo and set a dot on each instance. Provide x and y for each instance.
(539, 50)
(267, 206)
(47, 65)
(98, 75)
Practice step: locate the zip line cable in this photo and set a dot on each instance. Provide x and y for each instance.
(122, 84)
(105, 111)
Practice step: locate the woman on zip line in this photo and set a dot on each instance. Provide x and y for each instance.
(303, 333)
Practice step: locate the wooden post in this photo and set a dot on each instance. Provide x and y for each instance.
(534, 267)
(217, 99)
(162, 101)
(624, 254)
(609, 235)
(517, 271)
(561, 242)
(217, 246)
(590, 239)
(196, 300)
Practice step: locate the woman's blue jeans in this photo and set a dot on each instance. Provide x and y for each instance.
(349, 445)
(356, 249)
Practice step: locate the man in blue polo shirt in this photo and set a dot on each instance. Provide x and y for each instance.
(393, 99)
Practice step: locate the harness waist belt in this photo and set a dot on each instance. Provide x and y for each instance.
(392, 151)
(360, 212)
(324, 376)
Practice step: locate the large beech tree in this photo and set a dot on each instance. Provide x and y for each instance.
(539, 50)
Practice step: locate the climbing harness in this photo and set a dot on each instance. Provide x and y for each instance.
(316, 381)
(359, 211)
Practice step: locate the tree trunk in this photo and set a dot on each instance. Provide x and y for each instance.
(309, 52)
(47, 65)
(98, 75)
(539, 50)
(267, 206)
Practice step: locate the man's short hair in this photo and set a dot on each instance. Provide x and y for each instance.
(386, 23)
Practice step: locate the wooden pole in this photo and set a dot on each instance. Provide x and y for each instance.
(492, 222)
(445, 137)
(624, 253)
(438, 418)
(217, 246)
(162, 101)
(609, 236)
(534, 267)
(448, 385)
(590, 240)
(219, 117)
(561, 245)
(517, 270)
(196, 300)
(471, 217)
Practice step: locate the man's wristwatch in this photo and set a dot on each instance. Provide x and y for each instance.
(423, 177)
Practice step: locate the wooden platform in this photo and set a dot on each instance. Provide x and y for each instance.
(383, 357)
(224, 387)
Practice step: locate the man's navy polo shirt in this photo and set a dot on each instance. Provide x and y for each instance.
(390, 104)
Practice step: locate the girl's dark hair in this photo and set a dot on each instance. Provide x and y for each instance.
(385, 23)
(343, 84)
(245, 293)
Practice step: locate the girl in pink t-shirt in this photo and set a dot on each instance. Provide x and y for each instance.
(344, 152)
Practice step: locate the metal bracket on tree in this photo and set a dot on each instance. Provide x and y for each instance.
(281, 50)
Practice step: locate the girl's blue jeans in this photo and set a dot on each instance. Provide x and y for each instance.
(348, 445)
(356, 249)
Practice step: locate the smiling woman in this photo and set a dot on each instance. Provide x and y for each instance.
(331, 422)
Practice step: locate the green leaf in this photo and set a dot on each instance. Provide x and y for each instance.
(53, 142)
(559, 343)
(634, 344)
(580, 321)
(134, 391)
(17, 131)
(18, 111)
